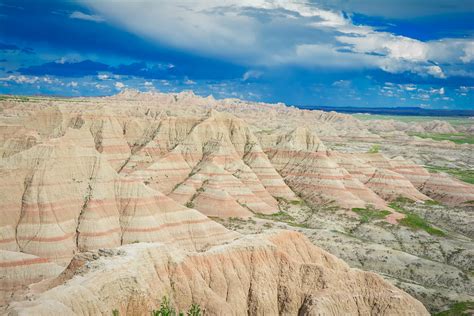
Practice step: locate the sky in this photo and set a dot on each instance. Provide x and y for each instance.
(367, 53)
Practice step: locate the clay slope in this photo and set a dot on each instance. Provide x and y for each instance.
(217, 166)
(275, 273)
(62, 196)
(321, 176)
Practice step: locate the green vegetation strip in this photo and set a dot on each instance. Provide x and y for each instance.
(282, 217)
(458, 309)
(367, 215)
(413, 220)
(410, 118)
(466, 175)
(458, 138)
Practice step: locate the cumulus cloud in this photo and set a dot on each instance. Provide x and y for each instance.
(188, 81)
(251, 74)
(20, 79)
(83, 16)
(269, 33)
(102, 76)
(119, 85)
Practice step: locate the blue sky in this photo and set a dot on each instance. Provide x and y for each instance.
(323, 53)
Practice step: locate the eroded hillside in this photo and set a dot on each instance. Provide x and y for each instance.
(154, 177)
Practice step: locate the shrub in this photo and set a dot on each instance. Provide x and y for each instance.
(167, 310)
(194, 310)
(374, 149)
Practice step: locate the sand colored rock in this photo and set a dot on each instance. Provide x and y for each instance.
(59, 198)
(106, 173)
(274, 273)
(18, 270)
(223, 148)
(441, 187)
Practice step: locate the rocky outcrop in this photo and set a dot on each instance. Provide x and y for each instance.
(274, 273)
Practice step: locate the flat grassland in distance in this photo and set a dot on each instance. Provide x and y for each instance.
(458, 138)
(466, 175)
(453, 120)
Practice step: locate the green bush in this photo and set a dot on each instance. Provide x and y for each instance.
(374, 149)
(167, 310)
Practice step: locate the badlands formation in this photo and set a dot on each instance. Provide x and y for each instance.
(243, 208)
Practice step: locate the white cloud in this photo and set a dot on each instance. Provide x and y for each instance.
(436, 71)
(189, 82)
(103, 76)
(251, 74)
(20, 79)
(468, 53)
(148, 84)
(119, 85)
(82, 16)
(269, 33)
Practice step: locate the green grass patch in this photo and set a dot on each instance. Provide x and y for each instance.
(432, 202)
(296, 202)
(416, 222)
(374, 149)
(367, 214)
(399, 203)
(458, 138)
(412, 220)
(458, 309)
(280, 216)
(284, 218)
(453, 120)
(466, 175)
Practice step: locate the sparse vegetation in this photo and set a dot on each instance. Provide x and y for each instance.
(297, 202)
(374, 149)
(167, 310)
(458, 309)
(280, 216)
(284, 217)
(466, 175)
(367, 214)
(189, 204)
(432, 202)
(414, 221)
(399, 203)
(458, 138)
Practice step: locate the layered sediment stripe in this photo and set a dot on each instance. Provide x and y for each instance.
(441, 187)
(391, 185)
(17, 270)
(413, 172)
